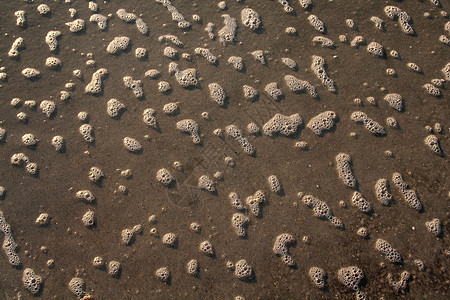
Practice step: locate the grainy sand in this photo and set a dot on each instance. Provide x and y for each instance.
(356, 73)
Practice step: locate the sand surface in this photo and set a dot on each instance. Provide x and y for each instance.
(356, 74)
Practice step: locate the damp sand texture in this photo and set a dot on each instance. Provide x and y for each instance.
(224, 149)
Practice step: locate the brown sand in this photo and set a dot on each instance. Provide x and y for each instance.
(73, 247)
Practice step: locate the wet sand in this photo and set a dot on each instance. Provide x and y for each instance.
(356, 73)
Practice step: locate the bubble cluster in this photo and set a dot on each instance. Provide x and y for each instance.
(321, 210)
(239, 222)
(101, 20)
(77, 286)
(281, 248)
(343, 166)
(164, 176)
(255, 202)
(401, 285)
(243, 270)
(9, 244)
(318, 277)
(217, 93)
(410, 196)
(318, 66)
(382, 191)
(434, 226)
(361, 203)
(250, 18)
(233, 131)
(94, 87)
(323, 122)
(191, 127)
(76, 25)
(273, 91)
(371, 125)
(432, 142)
(297, 85)
(350, 277)
(227, 34)
(31, 281)
(387, 250)
(134, 85)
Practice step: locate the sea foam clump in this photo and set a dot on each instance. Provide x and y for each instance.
(16, 45)
(401, 285)
(206, 183)
(76, 25)
(410, 196)
(281, 248)
(318, 67)
(343, 166)
(387, 250)
(21, 18)
(9, 244)
(250, 93)
(31, 73)
(395, 101)
(376, 49)
(217, 93)
(77, 286)
(434, 226)
(149, 118)
(250, 19)
(94, 87)
(258, 55)
(101, 20)
(239, 222)
(432, 142)
(382, 191)
(51, 39)
(176, 16)
(350, 277)
(114, 107)
(297, 85)
(322, 122)
(118, 44)
(361, 203)
(206, 53)
(235, 201)
(87, 132)
(227, 34)
(432, 90)
(318, 277)
(131, 144)
(321, 210)
(316, 23)
(324, 42)
(85, 195)
(31, 281)
(134, 85)
(191, 127)
(95, 174)
(273, 91)
(171, 38)
(236, 62)
(206, 248)
(243, 270)
(285, 125)
(289, 62)
(255, 202)
(126, 16)
(374, 127)
(233, 131)
(165, 177)
(47, 107)
(274, 184)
